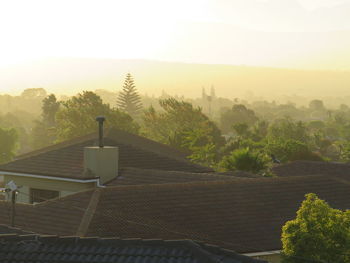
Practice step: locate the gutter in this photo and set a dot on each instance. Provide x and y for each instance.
(263, 253)
(97, 180)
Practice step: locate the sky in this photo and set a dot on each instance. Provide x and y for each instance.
(281, 33)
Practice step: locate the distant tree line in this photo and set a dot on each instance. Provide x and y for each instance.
(241, 136)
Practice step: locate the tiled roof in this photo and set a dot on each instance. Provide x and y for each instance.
(245, 215)
(136, 176)
(35, 248)
(306, 168)
(61, 217)
(66, 159)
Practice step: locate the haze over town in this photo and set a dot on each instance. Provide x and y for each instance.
(192, 130)
(68, 46)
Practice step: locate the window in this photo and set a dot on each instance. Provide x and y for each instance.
(41, 195)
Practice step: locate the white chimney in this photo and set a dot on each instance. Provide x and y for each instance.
(101, 161)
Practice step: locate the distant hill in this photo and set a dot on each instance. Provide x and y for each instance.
(72, 75)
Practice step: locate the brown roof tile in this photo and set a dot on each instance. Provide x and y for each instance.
(66, 159)
(136, 176)
(307, 168)
(245, 215)
(59, 216)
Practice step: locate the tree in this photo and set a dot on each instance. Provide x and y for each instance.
(344, 147)
(260, 130)
(242, 129)
(238, 114)
(244, 160)
(44, 130)
(34, 93)
(291, 150)
(286, 129)
(201, 145)
(319, 233)
(8, 142)
(178, 124)
(128, 99)
(49, 109)
(316, 105)
(77, 116)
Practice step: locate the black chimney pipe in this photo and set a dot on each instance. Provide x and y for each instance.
(100, 120)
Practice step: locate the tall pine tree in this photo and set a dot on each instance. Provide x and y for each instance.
(128, 99)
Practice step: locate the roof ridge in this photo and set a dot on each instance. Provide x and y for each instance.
(197, 244)
(214, 174)
(89, 213)
(238, 180)
(126, 240)
(312, 162)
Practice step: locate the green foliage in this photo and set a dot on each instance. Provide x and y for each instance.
(129, 100)
(239, 143)
(21, 122)
(180, 125)
(244, 160)
(77, 116)
(316, 125)
(242, 129)
(260, 130)
(287, 129)
(8, 142)
(49, 109)
(44, 130)
(42, 135)
(344, 147)
(204, 155)
(290, 150)
(238, 114)
(319, 233)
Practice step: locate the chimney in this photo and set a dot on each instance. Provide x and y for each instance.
(100, 120)
(101, 161)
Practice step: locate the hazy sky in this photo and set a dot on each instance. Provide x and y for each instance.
(174, 30)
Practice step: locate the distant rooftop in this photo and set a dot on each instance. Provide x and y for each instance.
(36, 248)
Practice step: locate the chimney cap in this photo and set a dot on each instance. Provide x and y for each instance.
(100, 118)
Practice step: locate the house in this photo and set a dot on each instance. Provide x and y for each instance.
(36, 248)
(72, 166)
(242, 214)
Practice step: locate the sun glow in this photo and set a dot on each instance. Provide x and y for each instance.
(202, 31)
(120, 29)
